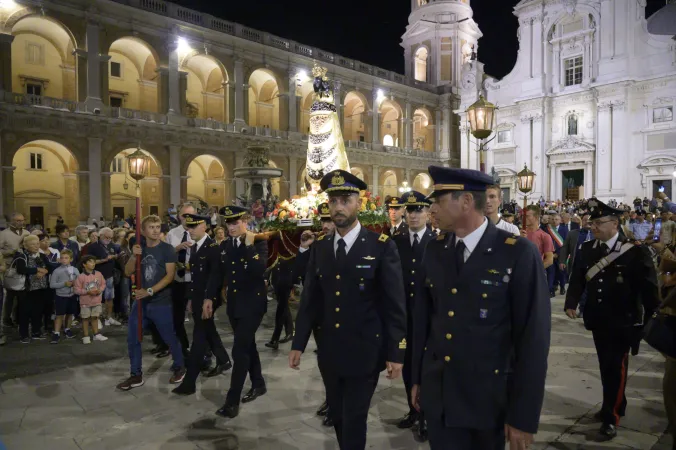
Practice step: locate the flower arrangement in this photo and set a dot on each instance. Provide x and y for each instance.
(287, 214)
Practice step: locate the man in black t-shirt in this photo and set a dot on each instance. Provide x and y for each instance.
(105, 254)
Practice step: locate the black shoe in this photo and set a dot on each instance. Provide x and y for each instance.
(184, 389)
(608, 431)
(327, 421)
(552, 294)
(230, 411)
(163, 353)
(206, 365)
(562, 291)
(219, 369)
(254, 393)
(286, 339)
(422, 431)
(408, 421)
(273, 345)
(155, 349)
(323, 409)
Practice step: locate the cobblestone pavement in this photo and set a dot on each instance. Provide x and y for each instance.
(63, 397)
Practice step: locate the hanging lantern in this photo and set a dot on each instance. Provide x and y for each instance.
(526, 180)
(139, 163)
(481, 116)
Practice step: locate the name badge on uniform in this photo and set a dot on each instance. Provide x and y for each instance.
(483, 313)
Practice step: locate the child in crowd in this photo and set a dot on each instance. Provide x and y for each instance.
(62, 280)
(89, 285)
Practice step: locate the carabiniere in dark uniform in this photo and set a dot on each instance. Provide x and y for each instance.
(243, 269)
(205, 284)
(359, 298)
(411, 246)
(621, 286)
(481, 329)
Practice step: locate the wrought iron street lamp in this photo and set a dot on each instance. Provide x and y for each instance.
(526, 179)
(481, 117)
(139, 163)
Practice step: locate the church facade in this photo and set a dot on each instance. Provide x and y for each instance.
(589, 105)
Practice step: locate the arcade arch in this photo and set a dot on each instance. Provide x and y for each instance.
(422, 183)
(390, 119)
(423, 131)
(206, 92)
(206, 181)
(132, 75)
(263, 99)
(354, 117)
(122, 187)
(389, 184)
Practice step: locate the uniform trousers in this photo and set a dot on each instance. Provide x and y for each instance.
(179, 302)
(406, 375)
(245, 356)
(449, 438)
(282, 314)
(612, 349)
(349, 399)
(204, 337)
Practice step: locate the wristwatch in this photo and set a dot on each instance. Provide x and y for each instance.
(150, 291)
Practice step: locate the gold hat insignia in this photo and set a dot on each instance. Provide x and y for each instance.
(228, 212)
(394, 201)
(325, 210)
(338, 179)
(412, 199)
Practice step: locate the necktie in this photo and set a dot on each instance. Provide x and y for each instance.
(416, 244)
(340, 253)
(605, 248)
(182, 255)
(460, 256)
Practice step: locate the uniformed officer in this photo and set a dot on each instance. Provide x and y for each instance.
(621, 285)
(411, 246)
(280, 275)
(481, 325)
(244, 263)
(354, 286)
(395, 210)
(204, 297)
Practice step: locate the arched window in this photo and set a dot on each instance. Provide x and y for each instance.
(388, 140)
(421, 64)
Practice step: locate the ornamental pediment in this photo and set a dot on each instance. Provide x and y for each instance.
(571, 144)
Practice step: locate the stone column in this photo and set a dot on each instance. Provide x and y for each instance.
(104, 69)
(6, 65)
(293, 176)
(226, 103)
(540, 160)
(588, 180)
(291, 110)
(375, 119)
(556, 67)
(71, 212)
(175, 174)
(8, 190)
(240, 188)
(182, 92)
(81, 74)
(162, 90)
(239, 93)
(537, 47)
(437, 131)
(165, 182)
(95, 193)
(604, 149)
(107, 209)
(83, 188)
(93, 99)
(184, 188)
(619, 151)
(586, 68)
(375, 180)
(173, 81)
(408, 125)
(446, 136)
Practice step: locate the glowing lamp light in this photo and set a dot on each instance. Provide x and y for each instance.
(674, 174)
(380, 95)
(139, 163)
(183, 46)
(404, 187)
(7, 4)
(526, 180)
(481, 117)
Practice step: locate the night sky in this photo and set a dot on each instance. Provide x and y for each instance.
(370, 30)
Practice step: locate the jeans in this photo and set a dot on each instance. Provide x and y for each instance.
(160, 316)
(122, 294)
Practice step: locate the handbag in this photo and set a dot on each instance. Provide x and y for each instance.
(660, 333)
(14, 281)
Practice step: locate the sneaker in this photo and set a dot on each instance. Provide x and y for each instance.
(100, 324)
(3, 340)
(69, 334)
(100, 337)
(130, 383)
(25, 341)
(106, 323)
(86, 340)
(39, 337)
(113, 322)
(178, 376)
(74, 323)
(55, 339)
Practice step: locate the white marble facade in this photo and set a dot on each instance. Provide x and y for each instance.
(589, 103)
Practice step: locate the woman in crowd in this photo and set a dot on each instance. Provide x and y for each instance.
(219, 235)
(53, 257)
(31, 301)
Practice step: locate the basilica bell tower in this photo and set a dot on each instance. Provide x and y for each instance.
(440, 37)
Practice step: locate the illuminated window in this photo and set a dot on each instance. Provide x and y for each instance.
(573, 71)
(388, 140)
(421, 64)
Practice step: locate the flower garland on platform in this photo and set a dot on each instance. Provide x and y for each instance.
(287, 214)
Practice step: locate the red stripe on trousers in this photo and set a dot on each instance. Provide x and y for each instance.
(620, 392)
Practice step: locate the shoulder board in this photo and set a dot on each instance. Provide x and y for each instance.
(383, 238)
(441, 237)
(321, 237)
(213, 244)
(510, 240)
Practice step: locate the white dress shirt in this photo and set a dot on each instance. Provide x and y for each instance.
(420, 234)
(396, 227)
(611, 242)
(200, 242)
(349, 239)
(472, 239)
(509, 227)
(174, 238)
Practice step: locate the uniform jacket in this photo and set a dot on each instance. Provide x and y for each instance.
(205, 275)
(475, 330)
(281, 273)
(300, 266)
(360, 306)
(243, 269)
(410, 265)
(403, 229)
(621, 295)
